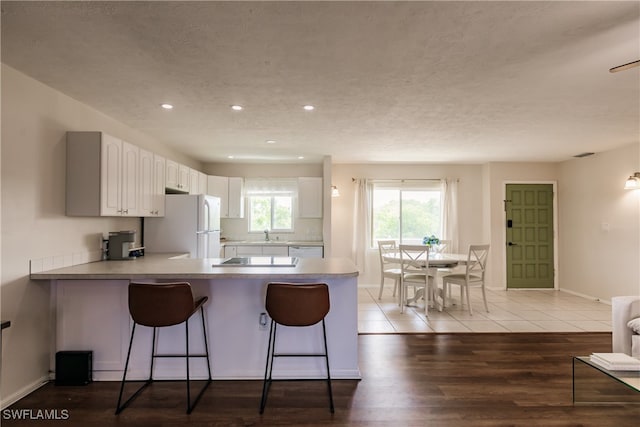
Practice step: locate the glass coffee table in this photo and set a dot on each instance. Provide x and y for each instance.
(595, 385)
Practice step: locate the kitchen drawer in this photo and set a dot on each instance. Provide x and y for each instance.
(275, 250)
(248, 251)
(306, 251)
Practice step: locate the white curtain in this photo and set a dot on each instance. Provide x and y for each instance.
(361, 222)
(450, 212)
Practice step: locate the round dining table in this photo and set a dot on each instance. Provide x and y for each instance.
(436, 260)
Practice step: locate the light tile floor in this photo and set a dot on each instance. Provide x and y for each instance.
(509, 311)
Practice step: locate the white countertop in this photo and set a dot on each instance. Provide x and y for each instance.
(162, 266)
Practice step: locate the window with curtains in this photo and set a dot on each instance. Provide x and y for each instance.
(270, 203)
(406, 210)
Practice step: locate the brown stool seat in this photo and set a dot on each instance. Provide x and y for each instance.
(158, 305)
(295, 305)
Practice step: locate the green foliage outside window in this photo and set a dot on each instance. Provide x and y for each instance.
(405, 215)
(273, 213)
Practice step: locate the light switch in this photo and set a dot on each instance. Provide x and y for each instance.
(605, 226)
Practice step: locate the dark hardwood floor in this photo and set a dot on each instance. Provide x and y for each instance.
(407, 380)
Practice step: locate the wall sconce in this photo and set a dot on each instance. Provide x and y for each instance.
(633, 182)
(334, 191)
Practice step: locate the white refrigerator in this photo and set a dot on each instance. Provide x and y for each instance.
(191, 224)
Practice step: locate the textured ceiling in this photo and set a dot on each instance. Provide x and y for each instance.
(432, 82)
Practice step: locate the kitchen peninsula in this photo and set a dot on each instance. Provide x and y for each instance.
(91, 313)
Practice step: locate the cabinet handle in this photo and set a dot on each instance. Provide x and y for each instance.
(126, 211)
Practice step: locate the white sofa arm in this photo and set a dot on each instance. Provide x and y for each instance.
(623, 309)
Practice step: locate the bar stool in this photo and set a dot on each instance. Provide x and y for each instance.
(164, 304)
(297, 305)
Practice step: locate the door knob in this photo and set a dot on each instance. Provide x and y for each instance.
(512, 244)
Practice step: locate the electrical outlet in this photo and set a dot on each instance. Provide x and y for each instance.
(263, 321)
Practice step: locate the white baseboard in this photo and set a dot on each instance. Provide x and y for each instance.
(590, 297)
(24, 391)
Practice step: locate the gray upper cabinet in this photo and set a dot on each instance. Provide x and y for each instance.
(102, 175)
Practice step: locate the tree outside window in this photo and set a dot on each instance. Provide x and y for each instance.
(405, 214)
(270, 205)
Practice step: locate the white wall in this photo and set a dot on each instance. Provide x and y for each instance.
(34, 121)
(470, 204)
(594, 261)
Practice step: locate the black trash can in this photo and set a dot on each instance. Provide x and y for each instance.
(74, 367)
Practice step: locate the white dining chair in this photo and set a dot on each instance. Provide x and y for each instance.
(388, 269)
(414, 263)
(474, 276)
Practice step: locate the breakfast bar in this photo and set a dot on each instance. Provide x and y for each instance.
(90, 305)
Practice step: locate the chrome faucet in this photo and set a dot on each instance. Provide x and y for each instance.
(266, 235)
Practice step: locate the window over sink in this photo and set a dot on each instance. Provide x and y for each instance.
(270, 202)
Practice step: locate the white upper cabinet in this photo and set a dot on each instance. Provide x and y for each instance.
(202, 183)
(130, 180)
(310, 197)
(177, 177)
(102, 176)
(230, 191)
(152, 181)
(219, 186)
(236, 197)
(194, 182)
(159, 182)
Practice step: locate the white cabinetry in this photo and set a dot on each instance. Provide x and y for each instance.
(152, 180)
(306, 251)
(248, 251)
(177, 177)
(236, 197)
(130, 180)
(159, 170)
(194, 182)
(202, 183)
(310, 197)
(272, 250)
(230, 251)
(256, 250)
(230, 190)
(102, 177)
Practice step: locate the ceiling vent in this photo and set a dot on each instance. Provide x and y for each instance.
(581, 155)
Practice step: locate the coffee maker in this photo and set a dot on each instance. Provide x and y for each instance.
(120, 244)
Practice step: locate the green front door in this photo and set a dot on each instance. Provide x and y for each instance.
(529, 225)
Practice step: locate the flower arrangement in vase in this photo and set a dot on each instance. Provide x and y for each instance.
(433, 242)
(430, 240)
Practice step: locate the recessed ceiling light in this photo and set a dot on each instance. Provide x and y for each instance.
(167, 106)
(230, 157)
(309, 107)
(300, 157)
(270, 141)
(236, 107)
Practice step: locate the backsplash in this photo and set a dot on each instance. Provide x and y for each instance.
(305, 230)
(38, 265)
